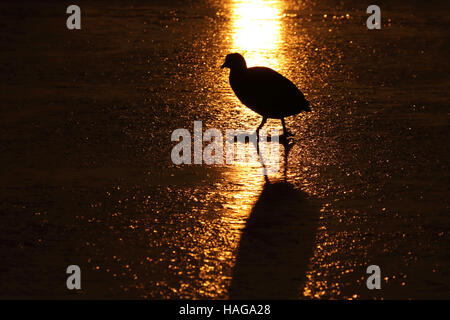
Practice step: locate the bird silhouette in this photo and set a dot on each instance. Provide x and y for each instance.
(265, 91)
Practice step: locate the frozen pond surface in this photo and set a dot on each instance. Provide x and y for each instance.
(87, 177)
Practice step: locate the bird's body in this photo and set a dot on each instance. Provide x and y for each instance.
(264, 90)
(267, 92)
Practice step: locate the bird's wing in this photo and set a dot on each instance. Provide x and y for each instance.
(267, 86)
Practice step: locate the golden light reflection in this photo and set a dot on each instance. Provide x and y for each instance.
(256, 31)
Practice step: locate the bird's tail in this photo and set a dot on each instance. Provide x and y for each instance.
(305, 106)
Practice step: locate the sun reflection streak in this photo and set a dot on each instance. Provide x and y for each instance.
(256, 31)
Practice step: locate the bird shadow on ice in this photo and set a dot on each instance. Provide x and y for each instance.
(276, 243)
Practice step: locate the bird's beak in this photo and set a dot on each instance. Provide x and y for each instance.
(223, 66)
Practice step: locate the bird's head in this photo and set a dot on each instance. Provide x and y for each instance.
(234, 61)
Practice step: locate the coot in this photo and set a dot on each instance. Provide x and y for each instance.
(264, 91)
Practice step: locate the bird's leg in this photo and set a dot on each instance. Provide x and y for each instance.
(260, 126)
(286, 133)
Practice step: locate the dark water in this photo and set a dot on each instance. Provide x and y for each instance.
(87, 178)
